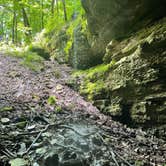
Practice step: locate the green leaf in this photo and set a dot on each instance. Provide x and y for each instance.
(52, 100)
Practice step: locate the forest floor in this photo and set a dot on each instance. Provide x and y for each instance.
(43, 122)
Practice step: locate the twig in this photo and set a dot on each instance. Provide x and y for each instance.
(112, 152)
(38, 136)
(125, 161)
(8, 153)
(113, 157)
(28, 133)
(34, 141)
(13, 155)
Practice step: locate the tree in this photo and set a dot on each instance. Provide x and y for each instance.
(14, 25)
(64, 9)
(22, 19)
(52, 6)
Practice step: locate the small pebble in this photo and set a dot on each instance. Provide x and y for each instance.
(5, 121)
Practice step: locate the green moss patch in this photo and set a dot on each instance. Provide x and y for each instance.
(93, 80)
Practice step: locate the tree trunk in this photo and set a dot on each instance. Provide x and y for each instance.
(2, 27)
(42, 15)
(57, 7)
(16, 36)
(26, 24)
(52, 6)
(14, 26)
(64, 9)
(25, 18)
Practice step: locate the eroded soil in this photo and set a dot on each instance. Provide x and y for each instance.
(70, 132)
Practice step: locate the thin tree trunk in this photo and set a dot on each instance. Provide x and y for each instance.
(26, 21)
(52, 6)
(57, 7)
(13, 26)
(25, 18)
(16, 36)
(64, 9)
(2, 26)
(42, 15)
(26, 24)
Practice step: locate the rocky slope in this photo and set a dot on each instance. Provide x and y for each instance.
(43, 122)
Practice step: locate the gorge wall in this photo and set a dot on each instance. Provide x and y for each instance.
(131, 36)
(128, 39)
(115, 19)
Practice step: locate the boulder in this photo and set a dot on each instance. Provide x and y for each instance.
(81, 55)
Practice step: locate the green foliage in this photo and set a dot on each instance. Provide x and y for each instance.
(56, 22)
(92, 88)
(33, 61)
(57, 74)
(70, 30)
(29, 59)
(93, 72)
(52, 100)
(59, 29)
(139, 163)
(40, 51)
(93, 80)
(58, 109)
(4, 109)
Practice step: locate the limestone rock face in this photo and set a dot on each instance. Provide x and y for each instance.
(57, 44)
(134, 83)
(137, 81)
(115, 19)
(81, 55)
(129, 34)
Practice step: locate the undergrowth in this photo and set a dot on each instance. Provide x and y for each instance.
(29, 59)
(93, 80)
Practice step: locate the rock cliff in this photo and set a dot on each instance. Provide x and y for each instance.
(116, 19)
(131, 38)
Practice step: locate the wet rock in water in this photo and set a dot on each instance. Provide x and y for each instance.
(22, 148)
(83, 145)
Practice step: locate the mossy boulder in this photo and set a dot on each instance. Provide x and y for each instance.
(81, 56)
(57, 45)
(40, 51)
